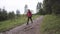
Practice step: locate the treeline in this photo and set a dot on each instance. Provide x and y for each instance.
(6, 16)
(50, 7)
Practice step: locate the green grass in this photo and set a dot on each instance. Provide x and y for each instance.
(9, 24)
(50, 25)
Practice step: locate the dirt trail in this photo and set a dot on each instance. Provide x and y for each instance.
(32, 28)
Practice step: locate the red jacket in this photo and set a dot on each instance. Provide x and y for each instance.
(29, 14)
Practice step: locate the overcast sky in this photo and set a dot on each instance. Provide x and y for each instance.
(13, 5)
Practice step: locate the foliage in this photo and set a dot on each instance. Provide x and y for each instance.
(11, 15)
(50, 24)
(17, 13)
(5, 16)
(51, 6)
(39, 8)
(9, 24)
(41, 12)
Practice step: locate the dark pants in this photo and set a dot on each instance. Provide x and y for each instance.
(30, 19)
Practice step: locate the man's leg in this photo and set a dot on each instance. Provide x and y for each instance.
(31, 19)
(28, 21)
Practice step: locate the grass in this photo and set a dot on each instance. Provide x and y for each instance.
(50, 24)
(9, 24)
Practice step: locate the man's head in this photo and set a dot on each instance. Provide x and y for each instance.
(28, 10)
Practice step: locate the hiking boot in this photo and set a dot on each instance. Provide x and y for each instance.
(27, 24)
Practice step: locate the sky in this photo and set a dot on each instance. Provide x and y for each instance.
(13, 5)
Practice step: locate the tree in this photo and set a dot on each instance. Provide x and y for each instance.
(3, 14)
(40, 9)
(11, 15)
(0, 14)
(17, 12)
(26, 8)
(39, 6)
(51, 6)
(56, 7)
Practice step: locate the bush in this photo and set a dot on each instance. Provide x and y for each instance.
(51, 25)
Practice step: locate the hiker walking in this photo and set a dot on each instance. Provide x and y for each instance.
(29, 15)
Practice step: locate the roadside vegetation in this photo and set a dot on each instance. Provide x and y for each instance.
(51, 21)
(50, 24)
(9, 24)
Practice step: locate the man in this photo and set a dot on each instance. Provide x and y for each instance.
(29, 15)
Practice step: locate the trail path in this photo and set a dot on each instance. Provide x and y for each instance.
(32, 28)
